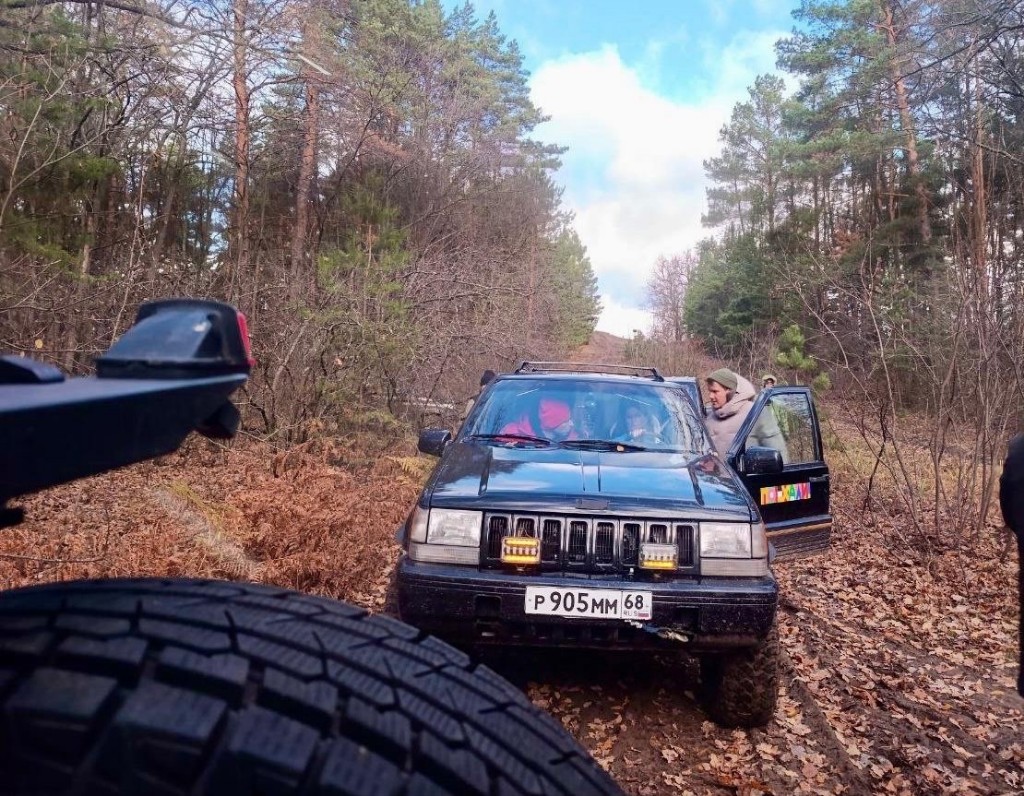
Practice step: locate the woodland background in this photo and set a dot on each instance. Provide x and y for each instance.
(361, 177)
(358, 177)
(871, 236)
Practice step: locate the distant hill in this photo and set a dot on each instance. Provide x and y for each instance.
(683, 358)
(603, 347)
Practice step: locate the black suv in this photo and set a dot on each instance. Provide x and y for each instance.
(585, 506)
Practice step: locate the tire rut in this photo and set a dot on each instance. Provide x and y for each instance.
(903, 717)
(815, 718)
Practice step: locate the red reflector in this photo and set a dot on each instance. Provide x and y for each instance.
(243, 329)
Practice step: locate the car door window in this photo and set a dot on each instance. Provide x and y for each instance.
(786, 423)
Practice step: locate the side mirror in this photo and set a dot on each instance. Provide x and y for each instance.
(433, 441)
(180, 339)
(762, 461)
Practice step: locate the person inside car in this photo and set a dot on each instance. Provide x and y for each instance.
(767, 381)
(639, 430)
(732, 398)
(553, 421)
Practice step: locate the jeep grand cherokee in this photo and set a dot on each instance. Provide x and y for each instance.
(550, 520)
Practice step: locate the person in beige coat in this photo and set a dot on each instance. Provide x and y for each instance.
(732, 398)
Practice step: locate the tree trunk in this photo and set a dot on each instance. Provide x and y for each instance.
(300, 277)
(239, 259)
(165, 224)
(907, 123)
(78, 329)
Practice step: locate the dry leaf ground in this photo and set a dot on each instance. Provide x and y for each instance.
(899, 668)
(320, 518)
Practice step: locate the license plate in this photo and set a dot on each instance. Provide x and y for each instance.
(590, 603)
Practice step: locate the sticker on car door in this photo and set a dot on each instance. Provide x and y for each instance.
(785, 493)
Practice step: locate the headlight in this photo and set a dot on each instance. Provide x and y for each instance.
(454, 527)
(725, 540)
(444, 536)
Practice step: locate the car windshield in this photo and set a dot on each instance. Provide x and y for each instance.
(623, 416)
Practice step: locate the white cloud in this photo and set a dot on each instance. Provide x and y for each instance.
(634, 174)
(622, 321)
(734, 68)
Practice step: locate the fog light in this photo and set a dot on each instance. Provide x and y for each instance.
(520, 550)
(658, 556)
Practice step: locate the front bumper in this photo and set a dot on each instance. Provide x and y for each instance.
(465, 605)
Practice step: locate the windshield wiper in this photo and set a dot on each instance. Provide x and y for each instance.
(601, 445)
(511, 437)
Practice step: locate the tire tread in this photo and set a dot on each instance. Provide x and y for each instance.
(205, 686)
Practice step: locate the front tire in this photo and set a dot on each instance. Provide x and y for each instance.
(200, 687)
(742, 688)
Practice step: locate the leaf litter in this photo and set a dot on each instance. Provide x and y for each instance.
(898, 677)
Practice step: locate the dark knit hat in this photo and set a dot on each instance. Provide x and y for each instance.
(487, 377)
(725, 377)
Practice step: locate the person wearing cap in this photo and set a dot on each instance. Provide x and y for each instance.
(1011, 501)
(767, 381)
(553, 421)
(732, 398)
(556, 419)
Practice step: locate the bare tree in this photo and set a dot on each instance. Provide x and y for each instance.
(666, 294)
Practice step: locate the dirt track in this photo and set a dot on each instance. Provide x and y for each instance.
(899, 671)
(898, 678)
(862, 711)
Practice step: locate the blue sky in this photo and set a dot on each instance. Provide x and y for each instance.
(638, 92)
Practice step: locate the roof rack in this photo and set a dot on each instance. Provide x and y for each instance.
(589, 367)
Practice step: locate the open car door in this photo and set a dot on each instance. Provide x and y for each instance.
(793, 498)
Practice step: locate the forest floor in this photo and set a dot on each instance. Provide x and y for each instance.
(898, 666)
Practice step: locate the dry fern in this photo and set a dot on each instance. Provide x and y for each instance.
(416, 467)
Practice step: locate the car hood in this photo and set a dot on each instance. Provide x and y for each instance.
(479, 475)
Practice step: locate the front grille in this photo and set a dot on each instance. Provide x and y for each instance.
(577, 547)
(551, 542)
(497, 529)
(589, 544)
(631, 533)
(604, 542)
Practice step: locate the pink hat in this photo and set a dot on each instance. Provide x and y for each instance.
(553, 413)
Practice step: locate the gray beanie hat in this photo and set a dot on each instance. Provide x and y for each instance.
(725, 377)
